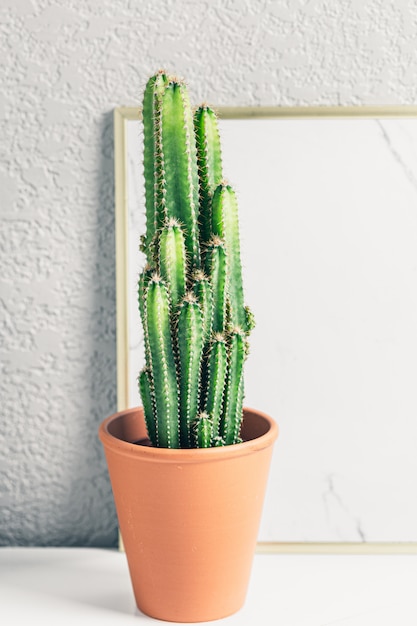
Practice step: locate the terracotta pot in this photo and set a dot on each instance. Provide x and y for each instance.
(188, 518)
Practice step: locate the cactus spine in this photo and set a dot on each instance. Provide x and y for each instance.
(191, 291)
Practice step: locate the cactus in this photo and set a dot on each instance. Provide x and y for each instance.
(190, 293)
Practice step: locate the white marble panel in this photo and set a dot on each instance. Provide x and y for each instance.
(329, 244)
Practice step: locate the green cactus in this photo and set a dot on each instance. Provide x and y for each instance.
(196, 325)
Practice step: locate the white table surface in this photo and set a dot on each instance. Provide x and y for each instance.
(78, 586)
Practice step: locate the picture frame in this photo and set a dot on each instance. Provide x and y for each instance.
(322, 512)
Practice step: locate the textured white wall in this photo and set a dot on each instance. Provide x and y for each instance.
(65, 66)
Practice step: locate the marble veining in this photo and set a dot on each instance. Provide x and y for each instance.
(398, 149)
(337, 513)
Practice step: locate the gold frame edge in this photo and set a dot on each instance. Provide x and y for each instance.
(270, 112)
(121, 238)
(274, 547)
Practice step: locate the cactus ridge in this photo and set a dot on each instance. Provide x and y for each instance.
(190, 293)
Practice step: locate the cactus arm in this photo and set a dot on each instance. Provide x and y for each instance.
(144, 278)
(148, 405)
(190, 351)
(162, 363)
(216, 267)
(216, 375)
(202, 431)
(203, 291)
(250, 320)
(225, 224)
(180, 165)
(172, 260)
(152, 158)
(232, 415)
(143, 282)
(209, 164)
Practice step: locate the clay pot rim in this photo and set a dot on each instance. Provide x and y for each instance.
(170, 455)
